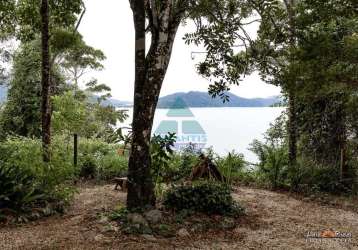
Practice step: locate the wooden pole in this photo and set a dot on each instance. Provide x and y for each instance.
(75, 149)
(341, 164)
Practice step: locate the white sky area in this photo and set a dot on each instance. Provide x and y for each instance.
(108, 25)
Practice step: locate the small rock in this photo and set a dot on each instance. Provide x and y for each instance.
(183, 233)
(154, 216)
(99, 237)
(136, 218)
(149, 237)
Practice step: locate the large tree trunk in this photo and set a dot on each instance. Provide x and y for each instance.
(140, 187)
(45, 82)
(150, 71)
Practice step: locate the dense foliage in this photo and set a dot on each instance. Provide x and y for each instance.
(309, 175)
(204, 197)
(100, 160)
(22, 112)
(26, 182)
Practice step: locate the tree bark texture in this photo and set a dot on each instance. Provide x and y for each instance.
(45, 82)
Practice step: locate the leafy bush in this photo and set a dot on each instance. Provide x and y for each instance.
(19, 189)
(273, 165)
(168, 165)
(112, 165)
(181, 165)
(100, 160)
(88, 167)
(231, 166)
(308, 177)
(26, 182)
(273, 168)
(161, 152)
(206, 197)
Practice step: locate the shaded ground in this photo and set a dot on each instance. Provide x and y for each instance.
(273, 221)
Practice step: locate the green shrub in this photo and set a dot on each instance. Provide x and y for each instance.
(231, 166)
(100, 160)
(308, 177)
(273, 165)
(326, 180)
(88, 167)
(180, 166)
(113, 165)
(247, 177)
(161, 151)
(205, 197)
(19, 188)
(26, 182)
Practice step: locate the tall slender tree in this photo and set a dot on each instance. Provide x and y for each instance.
(45, 81)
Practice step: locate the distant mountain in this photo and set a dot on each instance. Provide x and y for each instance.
(117, 103)
(203, 99)
(111, 102)
(3, 93)
(193, 99)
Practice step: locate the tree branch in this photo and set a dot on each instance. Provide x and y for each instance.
(82, 14)
(154, 13)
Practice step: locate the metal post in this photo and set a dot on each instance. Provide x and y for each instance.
(75, 149)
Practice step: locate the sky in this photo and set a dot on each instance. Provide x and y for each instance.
(108, 25)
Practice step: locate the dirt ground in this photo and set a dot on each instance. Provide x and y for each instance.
(273, 221)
